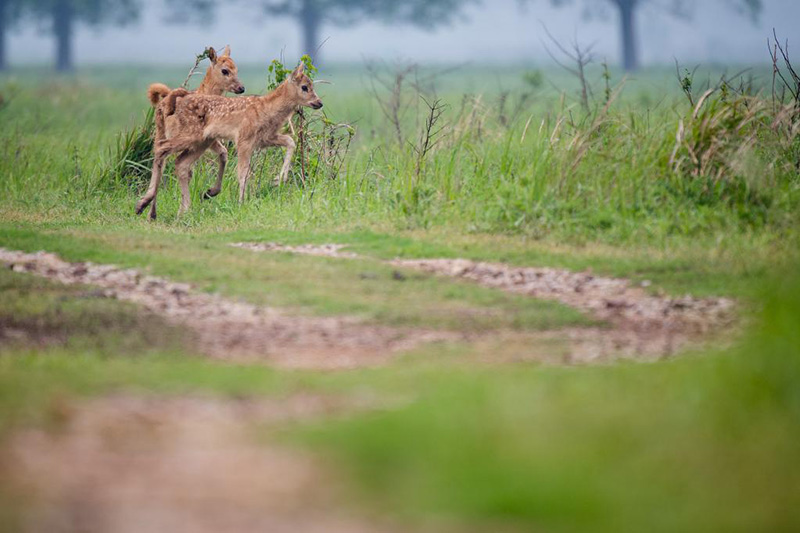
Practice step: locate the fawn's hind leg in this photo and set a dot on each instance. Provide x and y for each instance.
(183, 169)
(222, 151)
(162, 150)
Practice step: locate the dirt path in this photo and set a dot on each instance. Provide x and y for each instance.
(165, 464)
(644, 325)
(612, 299)
(228, 329)
(319, 250)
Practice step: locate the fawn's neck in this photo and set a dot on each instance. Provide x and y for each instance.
(207, 86)
(281, 101)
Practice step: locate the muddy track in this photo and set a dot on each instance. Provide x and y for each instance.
(610, 299)
(616, 300)
(228, 329)
(644, 324)
(163, 464)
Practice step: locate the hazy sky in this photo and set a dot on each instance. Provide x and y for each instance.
(496, 31)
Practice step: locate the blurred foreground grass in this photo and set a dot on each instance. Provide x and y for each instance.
(706, 442)
(701, 442)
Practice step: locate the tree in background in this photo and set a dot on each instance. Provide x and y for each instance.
(311, 15)
(627, 10)
(62, 16)
(10, 11)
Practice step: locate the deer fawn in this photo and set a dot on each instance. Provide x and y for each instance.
(221, 77)
(252, 122)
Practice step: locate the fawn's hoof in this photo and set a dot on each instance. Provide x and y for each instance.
(209, 194)
(142, 204)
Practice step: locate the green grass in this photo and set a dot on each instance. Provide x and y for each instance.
(578, 192)
(703, 442)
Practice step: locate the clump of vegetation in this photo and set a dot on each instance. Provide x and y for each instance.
(277, 72)
(131, 158)
(599, 166)
(731, 148)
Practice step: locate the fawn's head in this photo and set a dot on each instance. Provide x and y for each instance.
(223, 75)
(302, 88)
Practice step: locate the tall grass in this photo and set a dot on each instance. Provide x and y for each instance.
(524, 161)
(130, 160)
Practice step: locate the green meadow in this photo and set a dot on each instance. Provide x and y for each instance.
(696, 191)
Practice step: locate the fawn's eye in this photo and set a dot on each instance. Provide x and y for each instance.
(305, 88)
(225, 72)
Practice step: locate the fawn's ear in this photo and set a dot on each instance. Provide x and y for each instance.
(299, 71)
(227, 51)
(212, 54)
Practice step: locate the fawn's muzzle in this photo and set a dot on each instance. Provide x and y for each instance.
(317, 104)
(239, 89)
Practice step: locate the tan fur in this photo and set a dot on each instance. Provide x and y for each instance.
(156, 92)
(221, 77)
(251, 122)
(168, 108)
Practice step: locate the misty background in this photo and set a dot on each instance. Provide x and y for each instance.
(496, 31)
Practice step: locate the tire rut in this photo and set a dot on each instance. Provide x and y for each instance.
(235, 330)
(642, 324)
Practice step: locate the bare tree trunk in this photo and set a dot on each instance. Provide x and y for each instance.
(4, 21)
(630, 52)
(63, 20)
(310, 19)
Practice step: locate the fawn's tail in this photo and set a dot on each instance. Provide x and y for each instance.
(166, 108)
(156, 92)
(172, 98)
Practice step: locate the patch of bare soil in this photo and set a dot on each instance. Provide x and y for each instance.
(165, 464)
(321, 250)
(230, 329)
